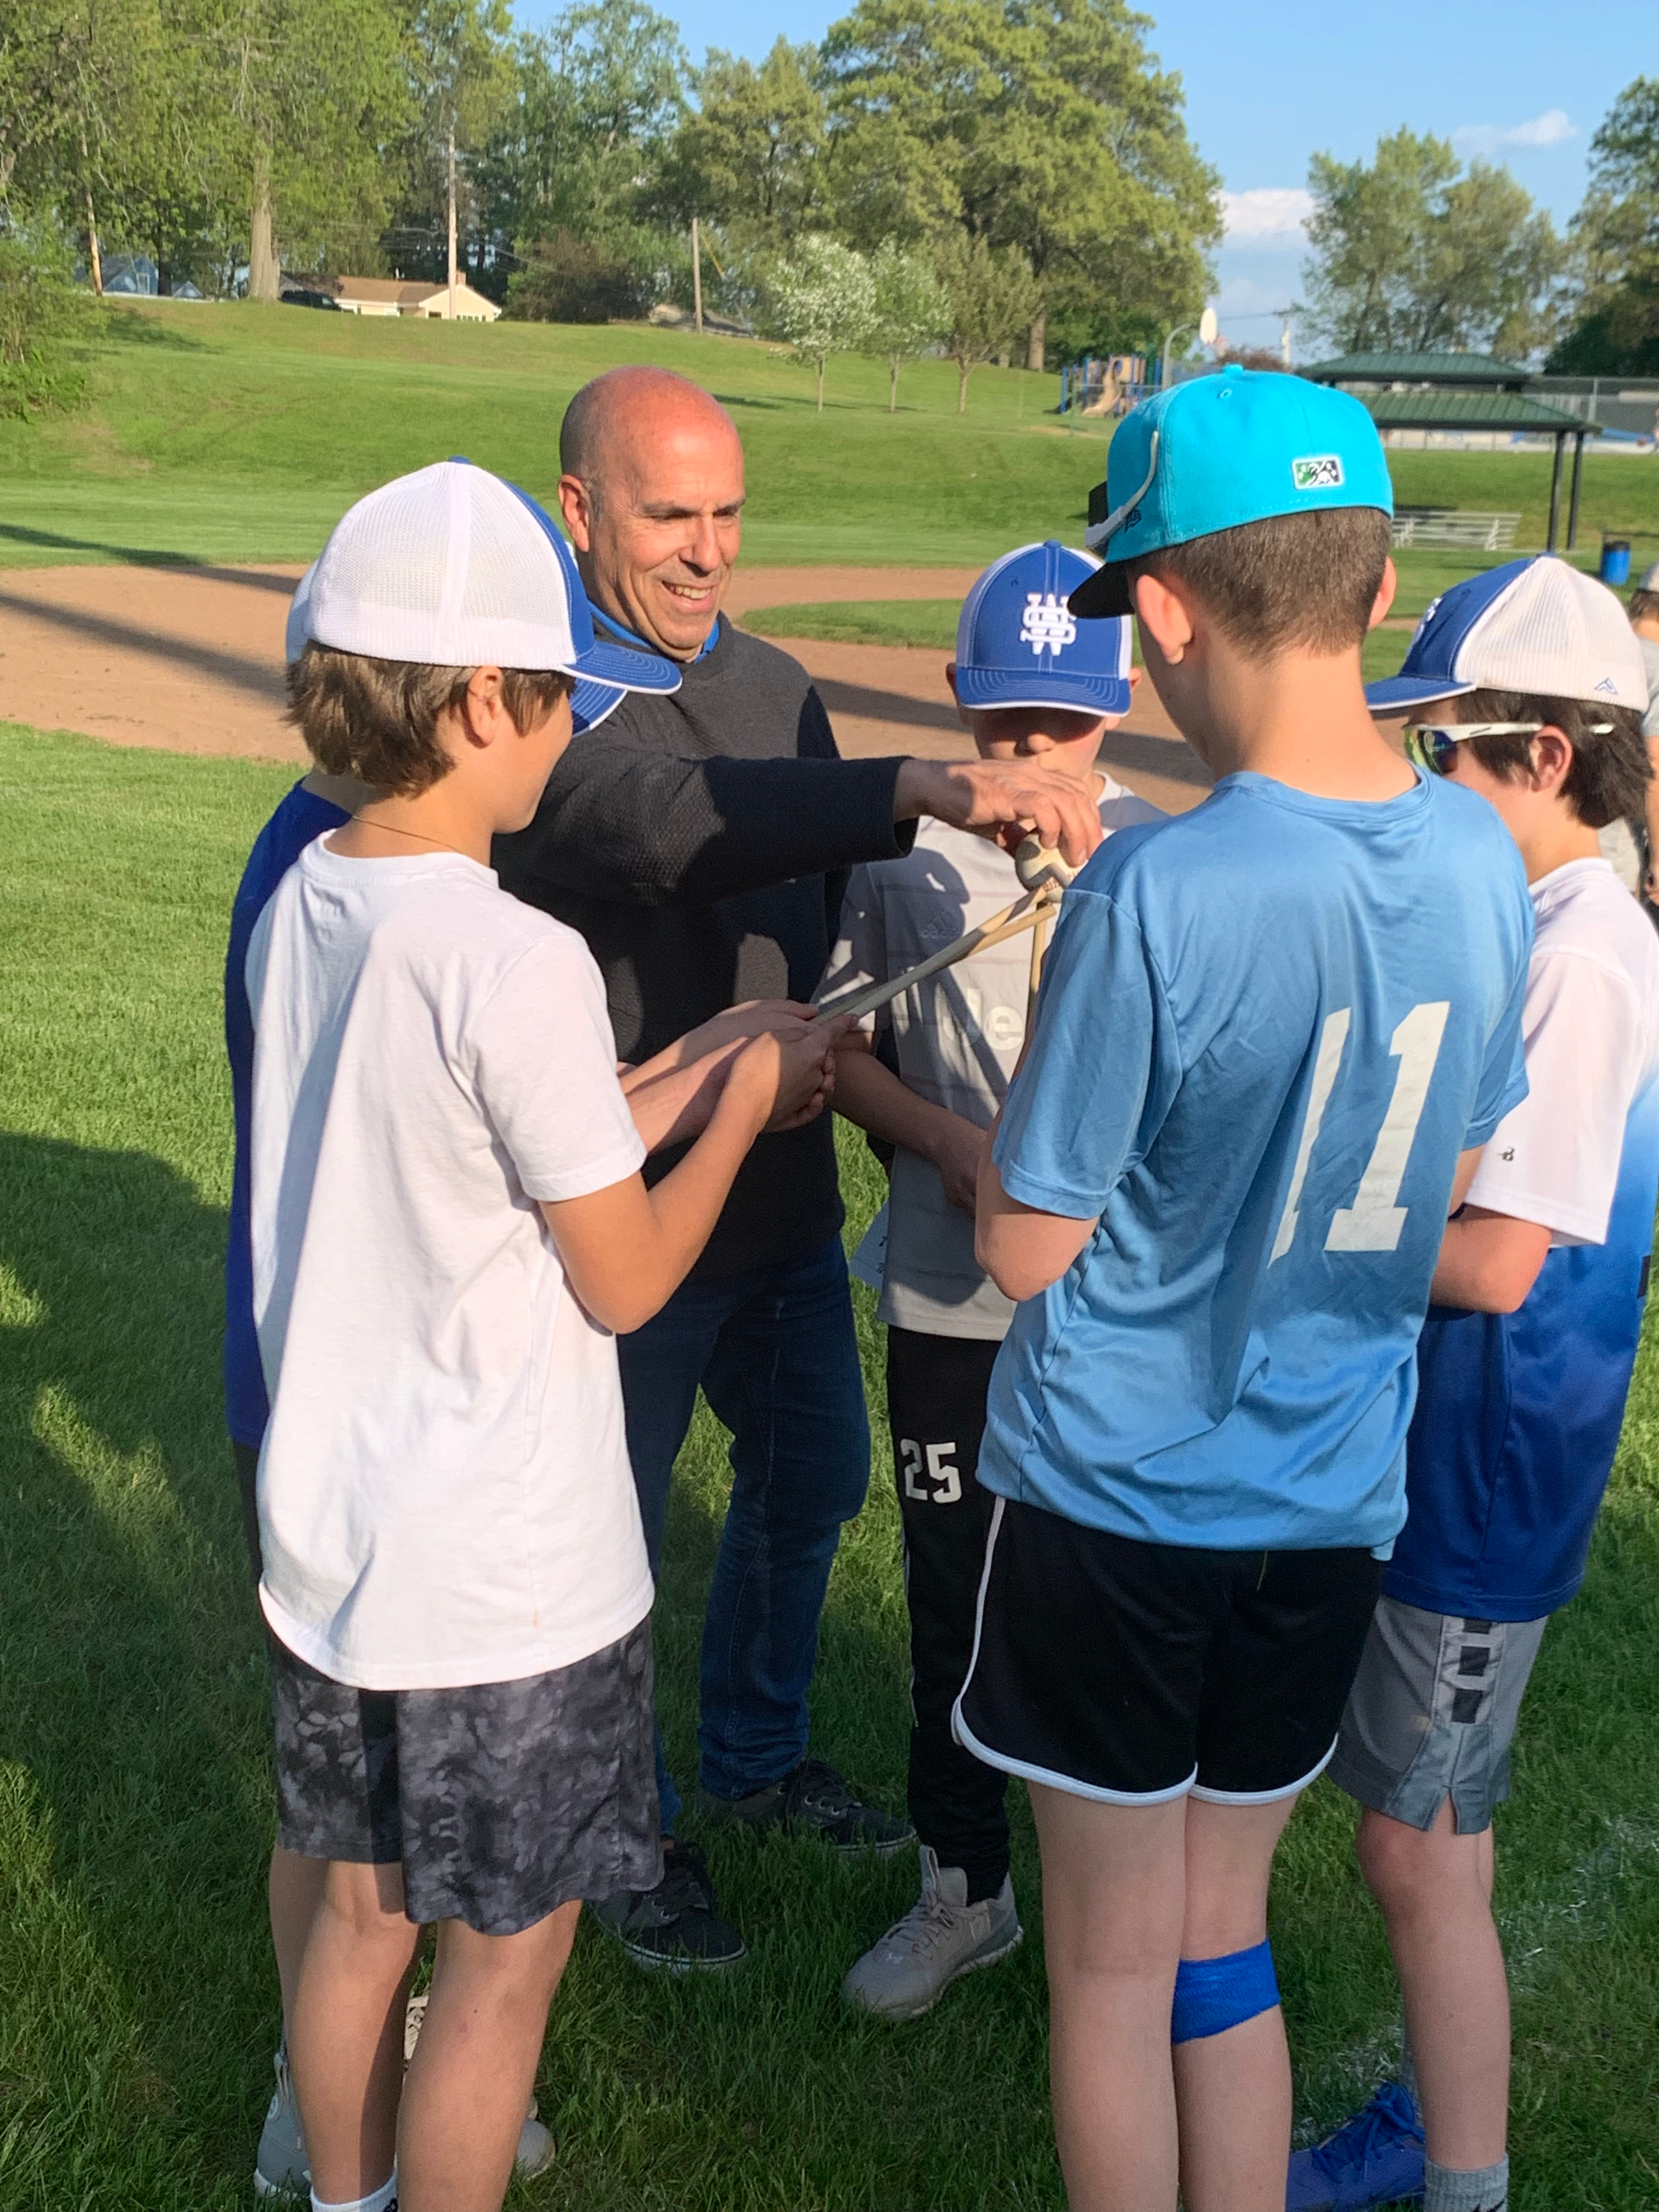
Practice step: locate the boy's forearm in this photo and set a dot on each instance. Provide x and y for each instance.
(687, 1202)
(1022, 1250)
(871, 1096)
(669, 1103)
(1488, 1262)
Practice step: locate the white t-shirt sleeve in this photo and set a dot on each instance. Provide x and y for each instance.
(1553, 1159)
(859, 955)
(544, 1061)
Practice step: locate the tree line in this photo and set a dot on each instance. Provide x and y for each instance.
(1029, 158)
(1411, 252)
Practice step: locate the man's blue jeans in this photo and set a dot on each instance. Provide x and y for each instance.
(775, 1353)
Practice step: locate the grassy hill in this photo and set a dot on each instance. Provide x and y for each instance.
(239, 433)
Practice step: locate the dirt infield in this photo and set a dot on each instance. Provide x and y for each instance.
(190, 659)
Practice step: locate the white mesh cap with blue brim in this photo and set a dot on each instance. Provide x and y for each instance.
(460, 569)
(1019, 645)
(1534, 626)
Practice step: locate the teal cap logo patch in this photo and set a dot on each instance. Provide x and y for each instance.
(1317, 472)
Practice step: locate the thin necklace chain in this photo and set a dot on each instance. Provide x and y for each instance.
(443, 843)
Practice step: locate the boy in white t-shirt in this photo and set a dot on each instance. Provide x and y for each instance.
(1526, 687)
(1031, 682)
(447, 1222)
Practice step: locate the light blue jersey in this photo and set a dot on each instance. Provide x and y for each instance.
(1268, 1028)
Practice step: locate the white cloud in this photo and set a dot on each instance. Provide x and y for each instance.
(1553, 128)
(1273, 212)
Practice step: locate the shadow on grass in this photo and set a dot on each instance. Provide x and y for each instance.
(144, 557)
(121, 326)
(140, 2004)
(140, 2007)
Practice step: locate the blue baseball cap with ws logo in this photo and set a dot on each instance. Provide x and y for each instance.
(1019, 644)
(1220, 451)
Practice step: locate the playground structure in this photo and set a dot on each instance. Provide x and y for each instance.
(1109, 384)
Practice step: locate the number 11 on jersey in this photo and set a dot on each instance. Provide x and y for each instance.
(1374, 1222)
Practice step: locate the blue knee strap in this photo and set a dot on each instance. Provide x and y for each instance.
(1213, 1995)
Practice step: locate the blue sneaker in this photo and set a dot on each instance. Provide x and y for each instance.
(1375, 2158)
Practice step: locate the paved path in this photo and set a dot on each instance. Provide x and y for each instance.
(191, 660)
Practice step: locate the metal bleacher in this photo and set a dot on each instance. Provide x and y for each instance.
(1451, 525)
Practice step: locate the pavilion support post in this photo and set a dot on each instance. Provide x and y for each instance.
(1572, 496)
(1555, 491)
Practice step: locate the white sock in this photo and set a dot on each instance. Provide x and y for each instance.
(383, 2199)
(1454, 2189)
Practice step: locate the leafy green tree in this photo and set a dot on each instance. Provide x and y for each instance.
(750, 156)
(461, 80)
(822, 298)
(1043, 126)
(600, 94)
(1409, 251)
(994, 297)
(1616, 231)
(913, 310)
(42, 312)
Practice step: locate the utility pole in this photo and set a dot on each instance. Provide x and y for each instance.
(452, 226)
(1284, 315)
(697, 273)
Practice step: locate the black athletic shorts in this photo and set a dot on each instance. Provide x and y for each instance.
(1133, 1673)
(501, 1802)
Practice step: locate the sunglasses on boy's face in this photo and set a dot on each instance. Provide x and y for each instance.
(1433, 745)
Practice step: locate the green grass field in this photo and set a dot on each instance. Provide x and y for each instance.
(239, 433)
(137, 2002)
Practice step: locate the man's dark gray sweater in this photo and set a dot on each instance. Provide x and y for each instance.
(700, 842)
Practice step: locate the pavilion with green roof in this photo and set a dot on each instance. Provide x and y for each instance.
(1462, 392)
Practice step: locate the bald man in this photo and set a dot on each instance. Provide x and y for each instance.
(699, 841)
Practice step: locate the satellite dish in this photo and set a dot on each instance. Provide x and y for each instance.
(1207, 327)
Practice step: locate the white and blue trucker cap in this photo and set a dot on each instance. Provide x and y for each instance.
(458, 568)
(1220, 451)
(1018, 643)
(1534, 626)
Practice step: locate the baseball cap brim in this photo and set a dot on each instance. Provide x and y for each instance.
(1105, 593)
(1394, 692)
(1017, 687)
(591, 703)
(619, 665)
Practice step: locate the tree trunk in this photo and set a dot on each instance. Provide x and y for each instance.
(892, 383)
(964, 370)
(94, 259)
(452, 226)
(1036, 343)
(263, 273)
(821, 363)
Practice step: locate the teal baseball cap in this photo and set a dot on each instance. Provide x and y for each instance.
(1219, 450)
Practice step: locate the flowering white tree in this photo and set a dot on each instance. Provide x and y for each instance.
(824, 301)
(912, 310)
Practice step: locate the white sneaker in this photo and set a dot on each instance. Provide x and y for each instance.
(537, 2148)
(939, 1938)
(281, 2168)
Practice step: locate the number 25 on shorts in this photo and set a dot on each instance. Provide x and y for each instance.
(940, 1470)
(1373, 1221)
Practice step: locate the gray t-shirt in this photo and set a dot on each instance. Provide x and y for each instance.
(958, 1037)
(1650, 654)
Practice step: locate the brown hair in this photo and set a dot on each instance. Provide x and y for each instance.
(1644, 606)
(1292, 583)
(378, 720)
(1608, 779)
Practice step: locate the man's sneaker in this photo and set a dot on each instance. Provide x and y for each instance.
(941, 1936)
(1376, 2158)
(814, 1801)
(281, 2167)
(673, 1928)
(537, 2148)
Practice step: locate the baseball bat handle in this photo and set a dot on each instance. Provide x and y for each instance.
(1025, 914)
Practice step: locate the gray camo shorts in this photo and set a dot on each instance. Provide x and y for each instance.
(1432, 1712)
(501, 1802)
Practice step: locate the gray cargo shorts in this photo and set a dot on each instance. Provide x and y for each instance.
(1431, 1714)
(501, 1802)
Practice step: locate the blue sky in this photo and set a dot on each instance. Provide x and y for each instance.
(1265, 88)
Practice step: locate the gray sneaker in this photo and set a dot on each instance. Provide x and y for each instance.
(939, 1938)
(281, 2168)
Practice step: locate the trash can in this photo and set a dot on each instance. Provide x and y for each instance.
(1615, 561)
